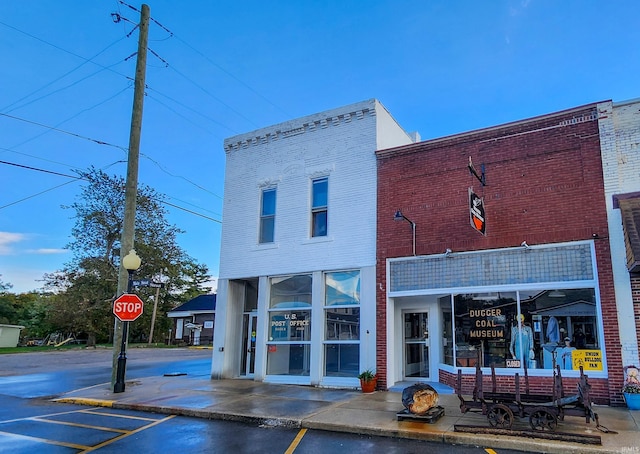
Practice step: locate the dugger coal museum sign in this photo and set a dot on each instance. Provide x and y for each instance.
(487, 323)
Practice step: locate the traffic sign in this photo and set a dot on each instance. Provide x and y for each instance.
(128, 307)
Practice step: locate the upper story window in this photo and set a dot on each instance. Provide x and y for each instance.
(319, 196)
(267, 215)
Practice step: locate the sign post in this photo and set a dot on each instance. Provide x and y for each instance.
(127, 307)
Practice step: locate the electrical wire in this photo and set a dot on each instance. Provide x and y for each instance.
(248, 87)
(74, 178)
(99, 142)
(87, 60)
(74, 116)
(59, 89)
(207, 92)
(171, 109)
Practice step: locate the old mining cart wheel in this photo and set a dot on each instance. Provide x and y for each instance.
(500, 416)
(542, 418)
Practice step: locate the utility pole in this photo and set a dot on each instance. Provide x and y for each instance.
(155, 309)
(131, 190)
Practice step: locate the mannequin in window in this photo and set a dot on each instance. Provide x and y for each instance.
(521, 341)
(565, 360)
(553, 331)
(580, 340)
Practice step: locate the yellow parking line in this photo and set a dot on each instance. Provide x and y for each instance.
(124, 435)
(116, 415)
(44, 440)
(296, 441)
(490, 451)
(75, 424)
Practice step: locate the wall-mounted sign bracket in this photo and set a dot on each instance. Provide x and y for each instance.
(474, 172)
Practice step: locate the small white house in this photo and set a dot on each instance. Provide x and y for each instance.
(10, 335)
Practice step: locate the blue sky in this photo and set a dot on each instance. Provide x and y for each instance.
(221, 68)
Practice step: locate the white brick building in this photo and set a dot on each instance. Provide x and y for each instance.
(619, 125)
(296, 290)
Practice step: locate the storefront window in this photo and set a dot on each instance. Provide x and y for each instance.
(447, 330)
(342, 324)
(534, 329)
(288, 347)
(290, 326)
(288, 359)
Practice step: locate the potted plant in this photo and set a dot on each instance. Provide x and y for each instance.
(631, 388)
(368, 381)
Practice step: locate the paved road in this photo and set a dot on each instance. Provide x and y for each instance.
(37, 362)
(30, 422)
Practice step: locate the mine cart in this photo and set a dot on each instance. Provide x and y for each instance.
(543, 411)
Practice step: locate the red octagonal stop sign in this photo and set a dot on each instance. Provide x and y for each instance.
(128, 307)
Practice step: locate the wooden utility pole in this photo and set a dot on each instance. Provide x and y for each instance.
(155, 309)
(131, 190)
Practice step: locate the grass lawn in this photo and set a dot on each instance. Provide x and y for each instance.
(48, 348)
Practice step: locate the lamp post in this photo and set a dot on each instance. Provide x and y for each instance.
(399, 217)
(130, 262)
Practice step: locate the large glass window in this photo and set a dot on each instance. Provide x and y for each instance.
(289, 344)
(537, 329)
(319, 197)
(342, 324)
(267, 215)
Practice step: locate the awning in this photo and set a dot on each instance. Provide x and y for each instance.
(630, 211)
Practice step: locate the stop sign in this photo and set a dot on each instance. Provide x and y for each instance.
(128, 307)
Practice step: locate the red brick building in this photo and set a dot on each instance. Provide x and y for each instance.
(449, 295)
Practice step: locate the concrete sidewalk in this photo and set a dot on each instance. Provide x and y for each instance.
(346, 411)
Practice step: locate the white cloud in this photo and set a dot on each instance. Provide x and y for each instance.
(47, 251)
(7, 239)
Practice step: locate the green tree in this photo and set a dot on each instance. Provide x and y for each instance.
(86, 287)
(25, 309)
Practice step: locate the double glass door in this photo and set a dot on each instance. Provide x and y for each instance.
(416, 345)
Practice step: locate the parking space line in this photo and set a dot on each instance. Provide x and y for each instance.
(128, 433)
(75, 424)
(116, 415)
(44, 440)
(43, 416)
(296, 441)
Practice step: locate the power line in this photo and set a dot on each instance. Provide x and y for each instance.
(233, 76)
(71, 118)
(87, 60)
(244, 84)
(179, 176)
(35, 157)
(37, 169)
(213, 96)
(56, 91)
(75, 178)
(52, 128)
(188, 108)
(90, 60)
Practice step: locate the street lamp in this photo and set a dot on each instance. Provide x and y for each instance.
(399, 217)
(130, 262)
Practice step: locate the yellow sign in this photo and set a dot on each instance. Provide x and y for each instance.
(588, 359)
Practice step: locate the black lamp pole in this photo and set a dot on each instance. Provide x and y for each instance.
(118, 387)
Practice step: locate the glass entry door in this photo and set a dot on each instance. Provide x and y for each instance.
(416, 345)
(249, 324)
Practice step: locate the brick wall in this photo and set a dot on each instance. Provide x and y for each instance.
(635, 292)
(619, 140)
(537, 385)
(544, 185)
